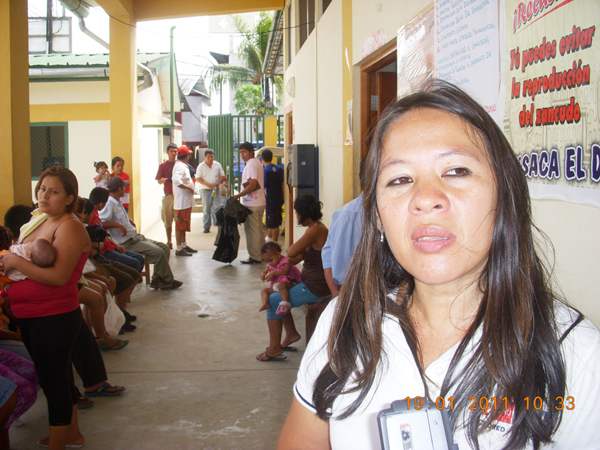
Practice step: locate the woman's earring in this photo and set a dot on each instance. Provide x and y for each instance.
(381, 234)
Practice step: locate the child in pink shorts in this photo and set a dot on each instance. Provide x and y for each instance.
(281, 273)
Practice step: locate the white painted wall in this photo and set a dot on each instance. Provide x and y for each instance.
(150, 99)
(69, 92)
(152, 192)
(331, 63)
(89, 142)
(573, 230)
(368, 17)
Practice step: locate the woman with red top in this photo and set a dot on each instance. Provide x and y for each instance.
(117, 171)
(47, 302)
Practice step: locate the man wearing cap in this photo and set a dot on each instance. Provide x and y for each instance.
(123, 232)
(253, 197)
(163, 176)
(183, 200)
(210, 175)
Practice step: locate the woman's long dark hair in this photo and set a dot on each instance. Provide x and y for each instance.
(308, 207)
(518, 355)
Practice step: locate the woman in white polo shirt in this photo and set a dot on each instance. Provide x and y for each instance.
(446, 298)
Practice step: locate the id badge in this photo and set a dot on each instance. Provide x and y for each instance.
(401, 428)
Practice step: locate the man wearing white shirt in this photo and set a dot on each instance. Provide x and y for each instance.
(210, 175)
(123, 231)
(183, 200)
(253, 197)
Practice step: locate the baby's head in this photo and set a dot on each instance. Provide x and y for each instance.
(41, 253)
(270, 251)
(101, 167)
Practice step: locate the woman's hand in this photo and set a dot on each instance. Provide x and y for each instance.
(120, 248)
(7, 262)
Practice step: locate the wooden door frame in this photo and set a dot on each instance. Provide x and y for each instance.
(384, 56)
(289, 205)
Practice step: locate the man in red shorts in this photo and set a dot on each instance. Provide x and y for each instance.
(183, 196)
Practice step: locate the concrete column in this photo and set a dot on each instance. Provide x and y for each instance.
(124, 122)
(15, 153)
(270, 131)
(348, 150)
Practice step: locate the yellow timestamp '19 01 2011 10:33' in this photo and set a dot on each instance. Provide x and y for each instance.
(485, 404)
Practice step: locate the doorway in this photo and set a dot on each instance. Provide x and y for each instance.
(378, 89)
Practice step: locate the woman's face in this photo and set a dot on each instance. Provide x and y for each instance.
(306, 221)
(52, 197)
(436, 197)
(118, 168)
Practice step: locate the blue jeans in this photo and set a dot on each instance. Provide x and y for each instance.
(129, 258)
(299, 295)
(209, 206)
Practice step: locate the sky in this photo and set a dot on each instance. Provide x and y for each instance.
(192, 40)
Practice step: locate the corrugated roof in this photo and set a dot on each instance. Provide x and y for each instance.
(193, 84)
(92, 60)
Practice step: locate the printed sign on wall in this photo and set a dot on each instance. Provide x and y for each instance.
(552, 96)
(467, 49)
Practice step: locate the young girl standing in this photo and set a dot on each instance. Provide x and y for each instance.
(117, 171)
(281, 273)
(102, 175)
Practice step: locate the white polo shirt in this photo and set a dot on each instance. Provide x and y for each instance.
(399, 378)
(182, 198)
(209, 174)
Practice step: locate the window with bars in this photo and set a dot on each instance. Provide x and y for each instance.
(306, 19)
(48, 146)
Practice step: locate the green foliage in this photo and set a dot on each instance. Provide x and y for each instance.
(248, 100)
(252, 52)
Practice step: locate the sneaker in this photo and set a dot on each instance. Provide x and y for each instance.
(250, 261)
(157, 283)
(174, 285)
(129, 317)
(267, 239)
(182, 252)
(207, 230)
(188, 249)
(128, 327)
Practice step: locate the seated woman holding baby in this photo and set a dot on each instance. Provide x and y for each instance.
(313, 286)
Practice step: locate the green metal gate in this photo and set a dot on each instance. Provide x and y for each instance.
(226, 132)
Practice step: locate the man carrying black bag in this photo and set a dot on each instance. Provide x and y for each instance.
(229, 216)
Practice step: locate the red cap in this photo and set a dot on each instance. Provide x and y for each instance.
(183, 150)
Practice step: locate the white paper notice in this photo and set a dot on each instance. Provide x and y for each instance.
(467, 50)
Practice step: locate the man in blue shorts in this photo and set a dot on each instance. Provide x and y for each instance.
(274, 192)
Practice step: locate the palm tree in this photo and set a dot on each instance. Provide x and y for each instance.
(252, 51)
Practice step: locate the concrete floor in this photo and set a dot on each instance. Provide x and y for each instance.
(192, 383)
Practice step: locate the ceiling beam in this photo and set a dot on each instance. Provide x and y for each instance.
(121, 9)
(160, 9)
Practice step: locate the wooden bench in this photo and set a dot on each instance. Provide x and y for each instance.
(146, 272)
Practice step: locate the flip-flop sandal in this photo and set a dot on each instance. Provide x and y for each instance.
(118, 345)
(102, 391)
(39, 444)
(84, 402)
(283, 309)
(289, 348)
(268, 358)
